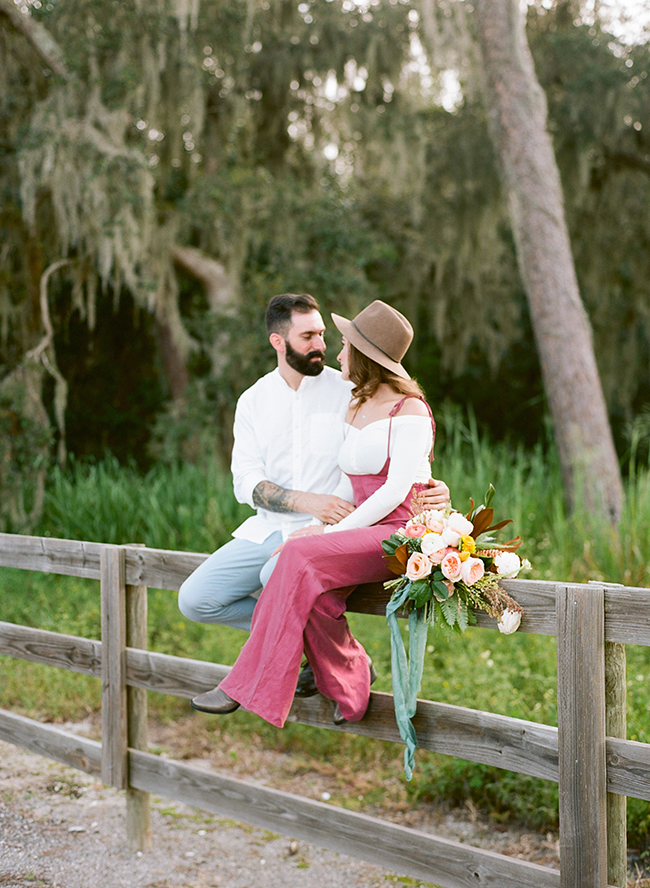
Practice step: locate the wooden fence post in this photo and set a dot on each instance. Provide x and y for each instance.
(581, 736)
(138, 814)
(616, 726)
(114, 720)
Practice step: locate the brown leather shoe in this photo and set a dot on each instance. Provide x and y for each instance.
(215, 701)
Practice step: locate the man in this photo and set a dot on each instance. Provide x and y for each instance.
(288, 430)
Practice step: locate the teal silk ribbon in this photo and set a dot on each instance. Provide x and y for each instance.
(407, 677)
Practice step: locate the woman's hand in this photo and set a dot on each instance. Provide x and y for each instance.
(301, 532)
(306, 531)
(437, 495)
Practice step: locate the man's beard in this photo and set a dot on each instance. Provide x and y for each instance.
(303, 363)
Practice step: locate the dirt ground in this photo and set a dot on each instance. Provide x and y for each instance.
(61, 828)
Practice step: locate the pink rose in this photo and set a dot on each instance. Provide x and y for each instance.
(418, 566)
(451, 566)
(415, 530)
(472, 570)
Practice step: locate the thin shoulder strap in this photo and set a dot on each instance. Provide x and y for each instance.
(397, 407)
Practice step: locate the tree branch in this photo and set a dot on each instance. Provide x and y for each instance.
(39, 37)
(627, 159)
(210, 272)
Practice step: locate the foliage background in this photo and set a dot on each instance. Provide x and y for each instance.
(328, 146)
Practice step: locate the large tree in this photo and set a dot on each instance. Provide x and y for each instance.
(518, 125)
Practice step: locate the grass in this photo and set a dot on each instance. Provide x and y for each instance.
(192, 508)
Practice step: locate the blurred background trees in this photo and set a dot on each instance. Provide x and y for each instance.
(188, 160)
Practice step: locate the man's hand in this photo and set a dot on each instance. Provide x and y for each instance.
(326, 507)
(437, 496)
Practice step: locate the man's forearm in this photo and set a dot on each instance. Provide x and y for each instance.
(273, 498)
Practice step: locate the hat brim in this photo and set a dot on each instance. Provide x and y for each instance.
(367, 348)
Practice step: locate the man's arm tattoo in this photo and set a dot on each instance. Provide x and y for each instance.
(273, 498)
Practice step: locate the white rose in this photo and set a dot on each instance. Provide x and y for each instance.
(431, 542)
(459, 524)
(450, 537)
(508, 564)
(509, 621)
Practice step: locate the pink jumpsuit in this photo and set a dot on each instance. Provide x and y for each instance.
(302, 608)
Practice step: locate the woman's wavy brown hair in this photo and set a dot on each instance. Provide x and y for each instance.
(367, 375)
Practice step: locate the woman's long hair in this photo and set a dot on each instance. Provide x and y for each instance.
(367, 375)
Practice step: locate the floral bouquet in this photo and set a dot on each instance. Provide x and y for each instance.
(448, 565)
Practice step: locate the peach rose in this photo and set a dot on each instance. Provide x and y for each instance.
(418, 566)
(433, 518)
(472, 570)
(451, 566)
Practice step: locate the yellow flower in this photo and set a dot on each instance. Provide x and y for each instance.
(467, 544)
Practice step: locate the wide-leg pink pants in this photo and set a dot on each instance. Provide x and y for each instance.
(302, 607)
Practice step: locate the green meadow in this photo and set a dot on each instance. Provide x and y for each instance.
(191, 507)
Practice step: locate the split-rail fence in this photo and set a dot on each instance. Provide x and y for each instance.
(587, 754)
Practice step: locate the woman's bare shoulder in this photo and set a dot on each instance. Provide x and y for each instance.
(413, 407)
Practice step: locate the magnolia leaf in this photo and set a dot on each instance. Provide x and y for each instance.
(397, 561)
(471, 509)
(440, 590)
(489, 496)
(482, 522)
(500, 524)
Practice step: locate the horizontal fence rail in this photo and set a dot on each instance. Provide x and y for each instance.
(591, 623)
(487, 738)
(627, 608)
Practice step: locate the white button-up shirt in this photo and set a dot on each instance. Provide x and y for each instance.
(291, 438)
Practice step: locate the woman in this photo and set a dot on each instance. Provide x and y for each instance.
(386, 459)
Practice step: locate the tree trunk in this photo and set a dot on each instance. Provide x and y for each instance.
(517, 119)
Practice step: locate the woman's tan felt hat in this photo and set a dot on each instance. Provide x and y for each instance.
(379, 332)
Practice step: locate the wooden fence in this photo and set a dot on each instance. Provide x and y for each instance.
(587, 754)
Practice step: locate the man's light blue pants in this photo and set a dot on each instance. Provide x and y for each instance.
(225, 588)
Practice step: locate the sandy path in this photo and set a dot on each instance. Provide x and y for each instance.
(61, 827)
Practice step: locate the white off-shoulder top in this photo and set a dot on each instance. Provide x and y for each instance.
(364, 452)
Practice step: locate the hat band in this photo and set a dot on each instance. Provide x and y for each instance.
(374, 344)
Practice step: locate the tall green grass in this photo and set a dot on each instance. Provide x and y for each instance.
(191, 507)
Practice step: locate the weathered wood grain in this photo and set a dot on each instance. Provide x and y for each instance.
(627, 609)
(69, 749)
(513, 744)
(535, 596)
(67, 557)
(138, 808)
(405, 851)
(616, 726)
(498, 740)
(581, 736)
(114, 720)
(51, 648)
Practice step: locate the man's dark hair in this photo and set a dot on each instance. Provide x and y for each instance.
(280, 309)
